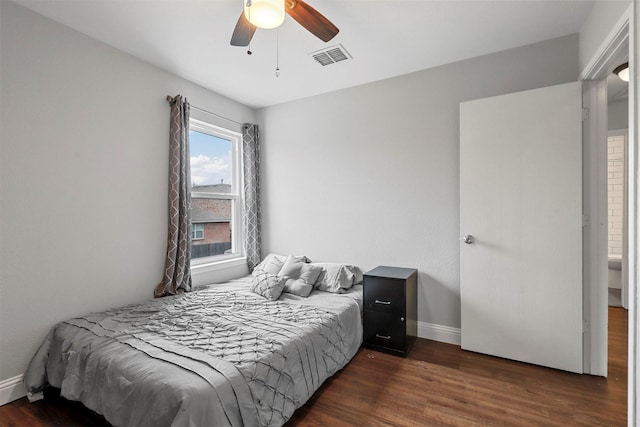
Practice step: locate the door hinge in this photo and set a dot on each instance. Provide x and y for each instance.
(585, 221)
(585, 114)
(585, 326)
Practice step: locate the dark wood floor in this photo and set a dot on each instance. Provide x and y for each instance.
(437, 385)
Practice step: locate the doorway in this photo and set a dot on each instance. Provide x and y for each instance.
(617, 206)
(614, 51)
(617, 168)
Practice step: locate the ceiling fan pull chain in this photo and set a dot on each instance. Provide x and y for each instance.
(249, 17)
(277, 53)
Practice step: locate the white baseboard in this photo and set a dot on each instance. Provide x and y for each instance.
(12, 389)
(432, 331)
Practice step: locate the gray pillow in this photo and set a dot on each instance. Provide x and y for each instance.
(266, 284)
(337, 277)
(272, 263)
(292, 267)
(310, 273)
(298, 287)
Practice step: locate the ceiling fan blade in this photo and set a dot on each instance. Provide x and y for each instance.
(311, 19)
(243, 33)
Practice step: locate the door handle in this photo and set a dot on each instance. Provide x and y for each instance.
(467, 238)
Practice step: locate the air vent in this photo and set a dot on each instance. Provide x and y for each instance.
(331, 55)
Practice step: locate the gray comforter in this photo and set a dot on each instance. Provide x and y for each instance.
(220, 356)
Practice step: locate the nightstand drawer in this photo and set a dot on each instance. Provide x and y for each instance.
(384, 330)
(384, 295)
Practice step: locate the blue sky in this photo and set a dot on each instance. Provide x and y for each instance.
(210, 159)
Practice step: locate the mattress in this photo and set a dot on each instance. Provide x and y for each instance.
(220, 355)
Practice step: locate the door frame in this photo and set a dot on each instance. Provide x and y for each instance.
(623, 35)
(594, 196)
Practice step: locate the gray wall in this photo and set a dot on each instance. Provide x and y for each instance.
(369, 175)
(83, 177)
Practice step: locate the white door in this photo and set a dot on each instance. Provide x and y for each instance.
(521, 201)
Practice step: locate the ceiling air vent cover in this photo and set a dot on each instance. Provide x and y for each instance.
(331, 55)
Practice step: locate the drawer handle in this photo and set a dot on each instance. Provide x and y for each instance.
(383, 302)
(384, 337)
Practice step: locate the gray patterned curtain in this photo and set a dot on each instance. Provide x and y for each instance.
(251, 213)
(177, 270)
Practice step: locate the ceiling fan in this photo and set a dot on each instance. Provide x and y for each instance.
(304, 14)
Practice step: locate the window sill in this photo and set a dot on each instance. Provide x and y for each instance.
(220, 265)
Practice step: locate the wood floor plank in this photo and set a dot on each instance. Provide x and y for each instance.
(437, 385)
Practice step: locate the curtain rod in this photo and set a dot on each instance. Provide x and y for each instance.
(172, 99)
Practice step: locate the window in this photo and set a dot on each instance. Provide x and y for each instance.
(616, 143)
(197, 231)
(216, 193)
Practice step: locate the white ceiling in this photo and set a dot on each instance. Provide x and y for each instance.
(190, 38)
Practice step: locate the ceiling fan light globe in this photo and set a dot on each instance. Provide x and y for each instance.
(265, 14)
(622, 71)
(624, 75)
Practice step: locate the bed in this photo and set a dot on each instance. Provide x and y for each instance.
(219, 356)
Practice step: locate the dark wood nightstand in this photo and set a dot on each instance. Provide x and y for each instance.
(390, 309)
